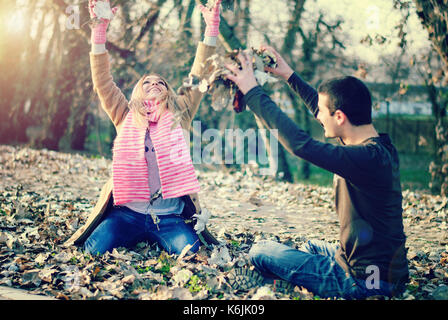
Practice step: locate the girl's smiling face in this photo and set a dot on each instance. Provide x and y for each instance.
(154, 86)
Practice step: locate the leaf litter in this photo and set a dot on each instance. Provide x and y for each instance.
(45, 196)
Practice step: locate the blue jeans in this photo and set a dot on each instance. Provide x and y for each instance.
(313, 267)
(123, 227)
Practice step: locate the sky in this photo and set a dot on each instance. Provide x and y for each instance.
(375, 17)
(361, 17)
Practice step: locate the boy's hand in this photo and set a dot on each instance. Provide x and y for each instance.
(283, 69)
(244, 78)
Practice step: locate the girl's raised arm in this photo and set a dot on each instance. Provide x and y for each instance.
(112, 99)
(204, 50)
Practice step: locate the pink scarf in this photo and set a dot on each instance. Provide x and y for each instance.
(129, 167)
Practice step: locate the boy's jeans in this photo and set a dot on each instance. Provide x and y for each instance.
(313, 267)
(123, 227)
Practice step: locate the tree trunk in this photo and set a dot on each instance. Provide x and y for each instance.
(61, 106)
(79, 129)
(433, 16)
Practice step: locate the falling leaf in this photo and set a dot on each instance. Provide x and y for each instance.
(202, 220)
(203, 86)
(102, 10)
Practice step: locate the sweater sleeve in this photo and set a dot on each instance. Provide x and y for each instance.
(192, 97)
(307, 93)
(347, 161)
(112, 99)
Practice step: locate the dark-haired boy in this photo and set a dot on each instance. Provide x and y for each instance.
(370, 258)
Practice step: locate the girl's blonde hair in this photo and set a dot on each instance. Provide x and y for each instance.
(167, 101)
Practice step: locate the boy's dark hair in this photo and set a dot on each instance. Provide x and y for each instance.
(351, 96)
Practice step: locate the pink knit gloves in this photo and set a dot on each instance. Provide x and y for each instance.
(212, 19)
(100, 9)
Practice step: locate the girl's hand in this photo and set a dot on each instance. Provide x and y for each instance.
(100, 28)
(283, 69)
(212, 19)
(244, 78)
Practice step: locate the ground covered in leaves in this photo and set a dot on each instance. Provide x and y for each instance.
(45, 196)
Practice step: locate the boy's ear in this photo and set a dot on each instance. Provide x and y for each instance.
(340, 117)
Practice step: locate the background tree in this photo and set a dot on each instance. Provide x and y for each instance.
(433, 16)
(46, 92)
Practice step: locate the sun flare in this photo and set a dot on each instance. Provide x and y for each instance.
(15, 23)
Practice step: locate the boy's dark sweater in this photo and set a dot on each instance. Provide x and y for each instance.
(367, 186)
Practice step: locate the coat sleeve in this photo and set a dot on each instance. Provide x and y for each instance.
(113, 101)
(191, 99)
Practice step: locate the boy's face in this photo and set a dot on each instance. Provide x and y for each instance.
(327, 120)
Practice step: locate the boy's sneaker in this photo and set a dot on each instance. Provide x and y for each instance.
(283, 286)
(244, 279)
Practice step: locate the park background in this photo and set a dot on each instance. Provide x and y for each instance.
(47, 101)
(55, 140)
